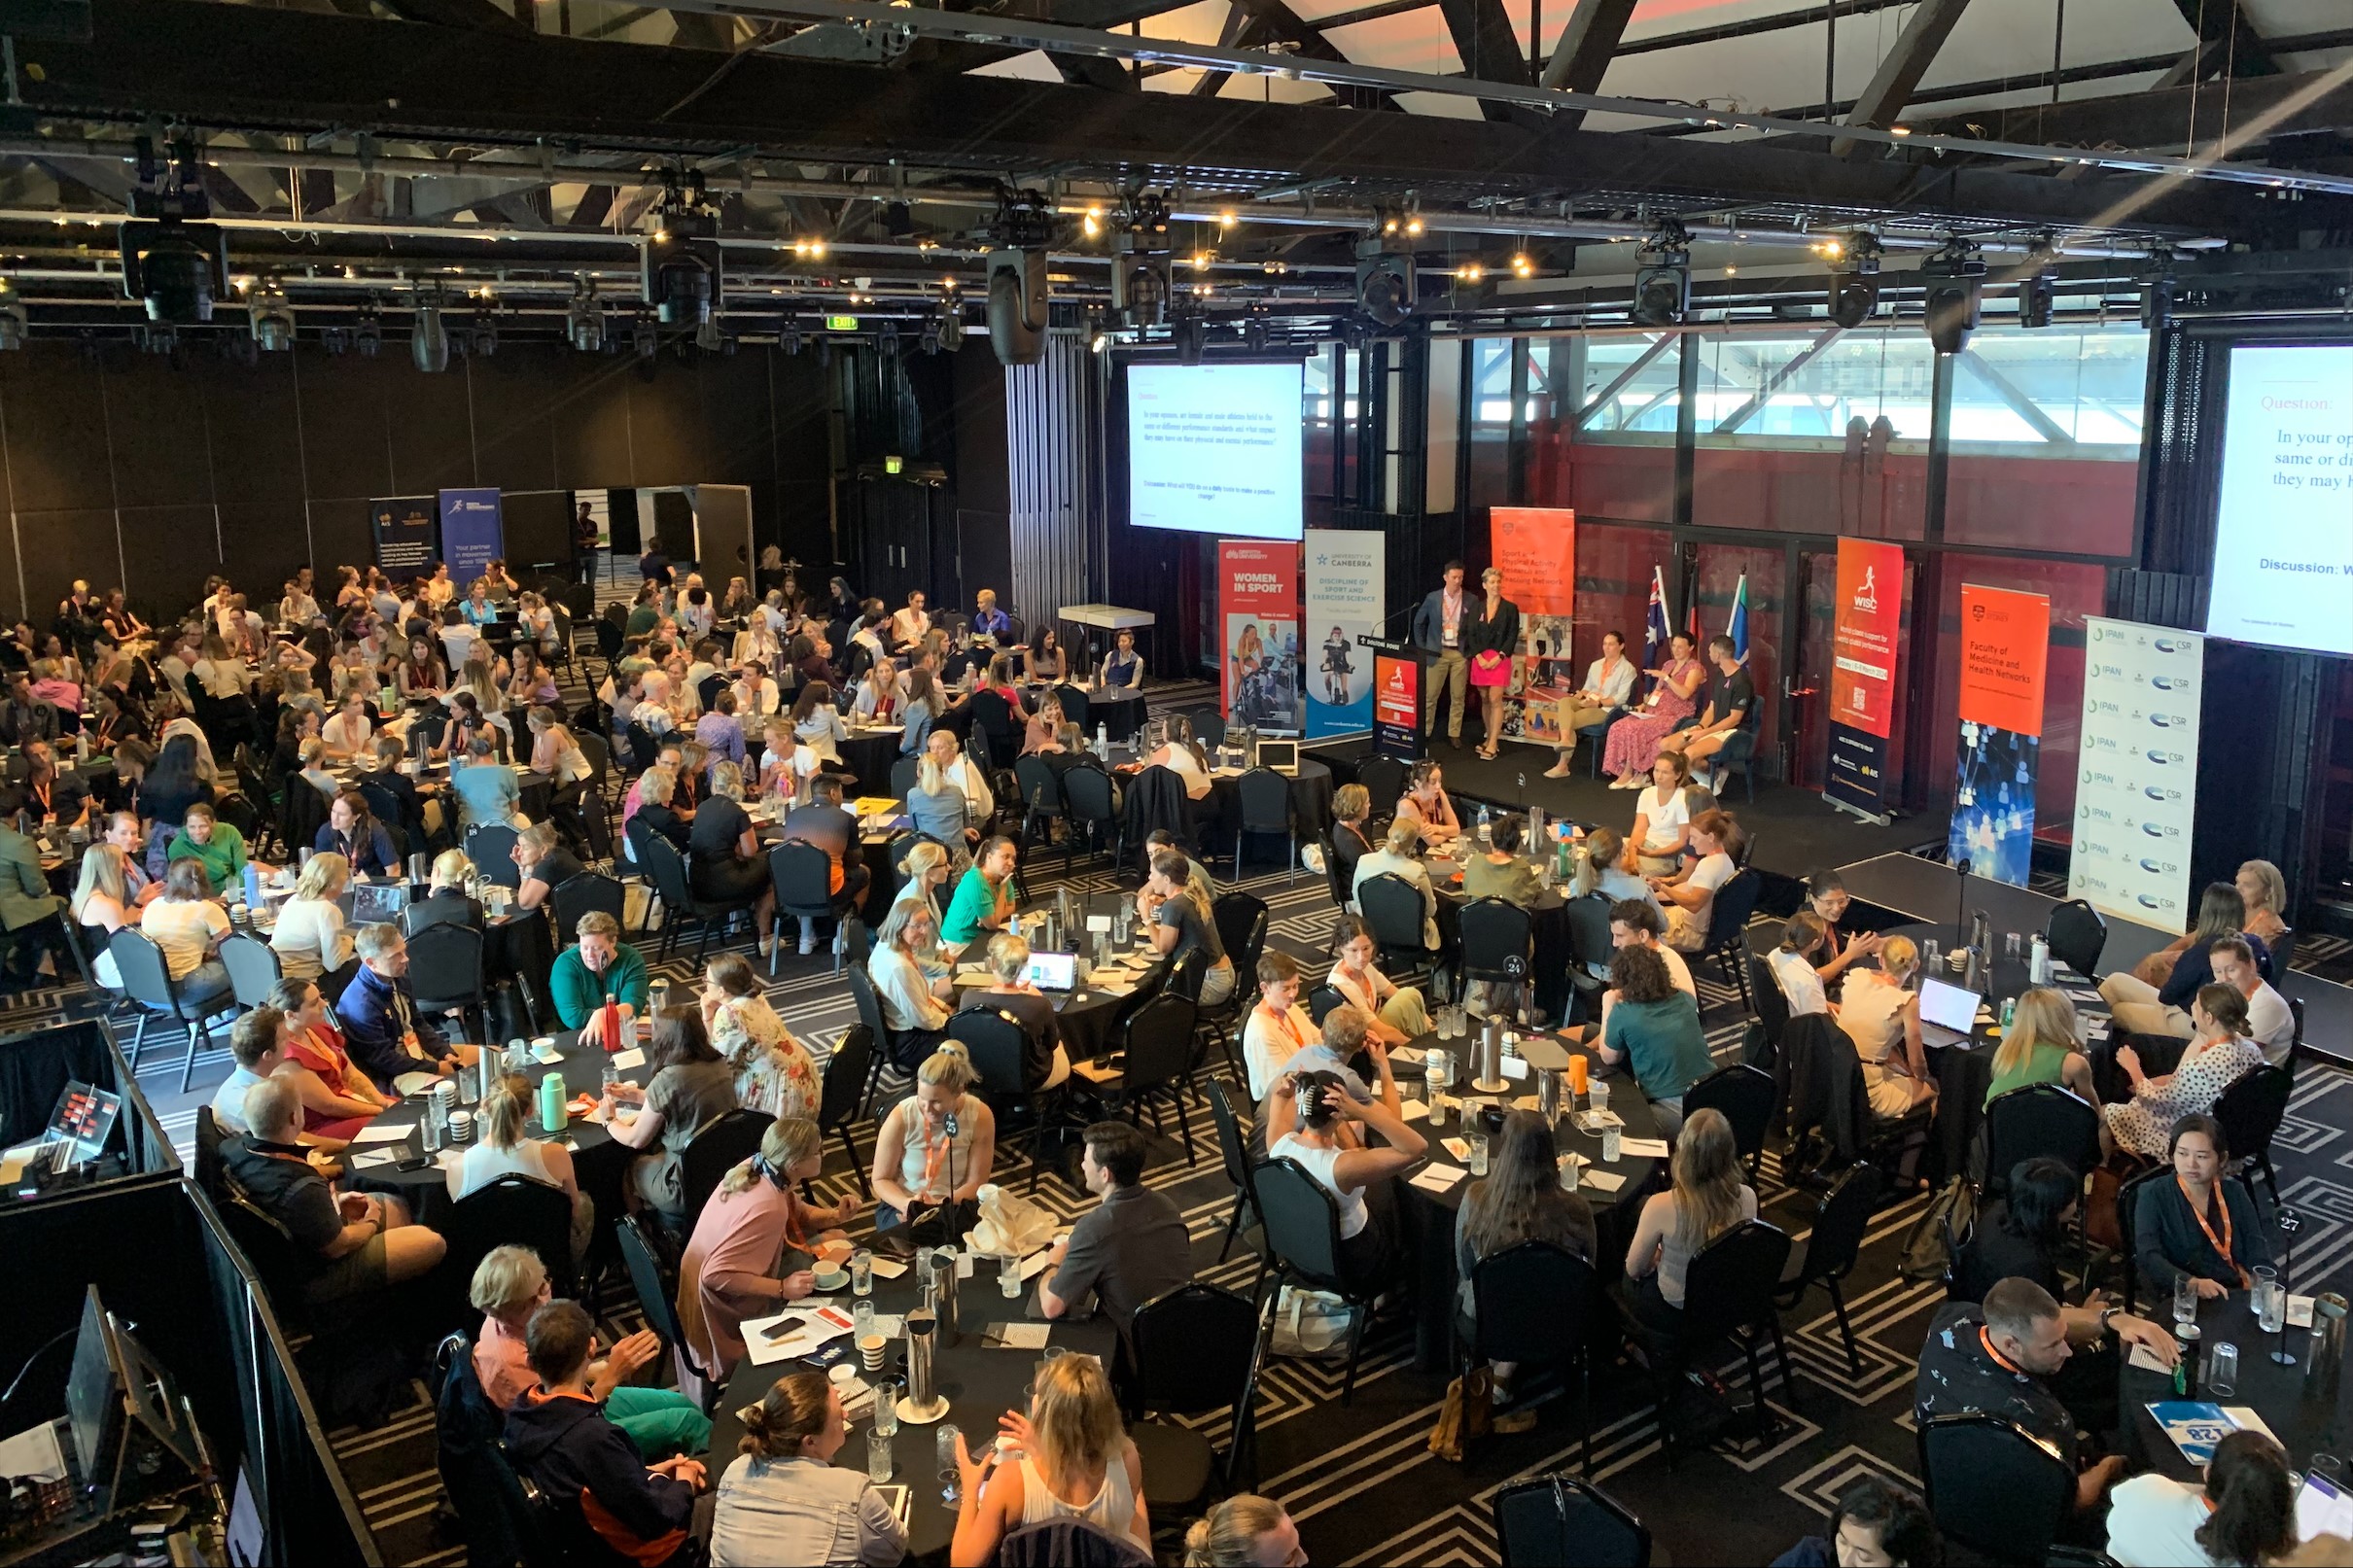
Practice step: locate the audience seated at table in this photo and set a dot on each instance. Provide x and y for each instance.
(337, 1099)
(2243, 1512)
(2022, 1232)
(1311, 1111)
(724, 861)
(256, 1052)
(559, 1437)
(782, 1500)
(1130, 1248)
(1999, 1357)
(1519, 1200)
(542, 864)
(964, 773)
(1603, 869)
(1181, 922)
(2143, 1007)
(485, 788)
(1243, 1531)
(450, 896)
(1046, 1060)
(2042, 1045)
(53, 798)
(914, 984)
(1500, 872)
(397, 1047)
(2199, 1225)
(1427, 807)
(936, 1146)
(1278, 1028)
(102, 904)
(1181, 756)
(313, 769)
(504, 1147)
(1706, 1198)
(690, 1086)
(1349, 841)
(774, 1074)
(937, 807)
(1689, 893)
(1882, 1015)
(988, 896)
(1399, 857)
(816, 722)
(656, 814)
(1122, 668)
(1662, 825)
(1792, 963)
(216, 846)
(1396, 1015)
(420, 808)
(1652, 1028)
(752, 1250)
(824, 821)
(2271, 1021)
(1075, 1461)
(352, 1244)
(309, 938)
(187, 923)
(1875, 1521)
(2218, 1054)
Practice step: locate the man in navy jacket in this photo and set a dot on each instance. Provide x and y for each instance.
(382, 1028)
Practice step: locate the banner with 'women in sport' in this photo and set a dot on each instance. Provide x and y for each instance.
(1258, 633)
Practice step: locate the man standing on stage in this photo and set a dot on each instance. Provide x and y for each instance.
(1438, 629)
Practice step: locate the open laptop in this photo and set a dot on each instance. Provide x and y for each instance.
(1948, 1013)
(1282, 757)
(376, 903)
(1055, 973)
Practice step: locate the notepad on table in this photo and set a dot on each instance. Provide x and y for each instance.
(378, 1133)
(1643, 1148)
(1439, 1178)
(1601, 1181)
(623, 1060)
(1411, 1110)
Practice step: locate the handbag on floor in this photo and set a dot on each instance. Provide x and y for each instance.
(1937, 1234)
(1468, 1414)
(1309, 1323)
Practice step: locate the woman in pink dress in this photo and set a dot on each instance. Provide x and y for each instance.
(752, 1250)
(1633, 740)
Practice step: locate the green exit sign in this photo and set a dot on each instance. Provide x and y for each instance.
(841, 323)
(893, 465)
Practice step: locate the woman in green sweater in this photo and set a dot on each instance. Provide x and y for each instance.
(1655, 1028)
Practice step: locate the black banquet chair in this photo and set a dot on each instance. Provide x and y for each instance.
(1194, 1349)
(1558, 1520)
(1993, 1488)
(1534, 1303)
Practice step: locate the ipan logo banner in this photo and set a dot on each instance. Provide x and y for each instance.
(2134, 806)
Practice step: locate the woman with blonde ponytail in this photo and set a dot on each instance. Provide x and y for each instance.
(1245, 1531)
(784, 1499)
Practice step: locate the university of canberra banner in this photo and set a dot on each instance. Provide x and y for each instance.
(2004, 651)
(1347, 578)
(404, 532)
(2137, 786)
(1864, 634)
(1258, 630)
(473, 534)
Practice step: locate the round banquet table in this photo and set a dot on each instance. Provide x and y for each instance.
(979, 1381)
(1087, 1013)
(1549, 928)
(868, 753)
(2307, 1409)
(1215, 820)
(1427, 1218)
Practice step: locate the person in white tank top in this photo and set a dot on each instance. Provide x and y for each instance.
(1308, 1108)
(1072, 1459)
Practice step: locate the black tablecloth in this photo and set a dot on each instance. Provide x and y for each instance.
(869, 756)
(980, 1383)
(1429, 1218)
(1554, 948)
(2307, 1410)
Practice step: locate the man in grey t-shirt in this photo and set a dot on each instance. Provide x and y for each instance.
(1130, 1248)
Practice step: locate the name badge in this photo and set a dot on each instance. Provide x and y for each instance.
(1450, 637)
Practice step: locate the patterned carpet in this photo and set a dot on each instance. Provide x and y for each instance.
(1360, 1479)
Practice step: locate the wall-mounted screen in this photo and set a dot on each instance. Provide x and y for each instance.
(2283, 543)
(1215, 449)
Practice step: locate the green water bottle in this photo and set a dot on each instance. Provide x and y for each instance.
(553, 1115)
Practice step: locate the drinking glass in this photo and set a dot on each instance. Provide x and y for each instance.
(1477, 1144)
(2013, 946)
(2271, 1313)
(2222, 1370)
(1609, 1144)
(861, 1320)
(862, 1273)
(1008, 1276)
(878, 1452)
(2185, 1300)
(1598, 1092)
(887, 1394)
(944, 1456)
(606, 1077)
(1931, 954)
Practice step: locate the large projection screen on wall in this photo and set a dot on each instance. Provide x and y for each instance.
(2283, 539)
(1215, 449)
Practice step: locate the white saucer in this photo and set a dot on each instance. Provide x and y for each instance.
(909, 1412)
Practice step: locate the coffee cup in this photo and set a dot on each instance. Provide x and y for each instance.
(870, 1351)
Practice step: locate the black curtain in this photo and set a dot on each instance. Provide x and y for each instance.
(34, 1070)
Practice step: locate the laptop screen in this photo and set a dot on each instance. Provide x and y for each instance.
(1053, 971)
(374, 902)
(1948, 1006)
(2321, 1507)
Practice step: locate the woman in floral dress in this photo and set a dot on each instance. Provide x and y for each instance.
(2221, 1054)
(1674, 695)
(773, 1074)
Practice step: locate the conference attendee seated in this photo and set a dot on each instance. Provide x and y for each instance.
(822, 821)
(1314, 1108)
(337, 1099)
(486, 788)
(1129, 1249)
(1245, 1531)
(508, 1286)
(1706, 1196)
(2218, 1054)
(914, 984)
(1349, 843)
(1652, 1028)
(2199, 1225)
(1046, 1061)
(504, 1147)
(351, 1244)
(1123, 667)
(187, 924)
(750, 1254)
(1826, 897)
(988, 620)
(1279, 1028)
(400, 1049)
(935, 1147)
(1427, 806)
(1873, 1521)
(691, 1086)
(1500, 872)
(1397, 1013)
(1196, 875)
(1519, 1200)
(1689, 895)
(603, 968)
(1882, 1015)
(560, 1438)
(1075, 1462)
(774, 1074)
(2144, 1009)
(542, 864)
(986, 898)
(450, 897)
(2271, 1021)
(216, 846)
(1663, 812)
(724, 861)
(1998, 1358)
(1182, 923)
(2244, 1512)
(1399, 857)
(2021, 1234)
(358, 837)
(964, 772)
(1604, 869)
(784, 1500)
(253, 1047)
(1793, 966)
(1636, 923)
(310, 938)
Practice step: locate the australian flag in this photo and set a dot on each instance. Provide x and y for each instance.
(1656, 630)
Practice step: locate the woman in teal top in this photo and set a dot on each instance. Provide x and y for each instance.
(2040, 1047)
(1655, 1028)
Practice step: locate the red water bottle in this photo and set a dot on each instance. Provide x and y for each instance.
(612, 1028)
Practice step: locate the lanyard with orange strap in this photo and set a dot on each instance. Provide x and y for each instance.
(2222, 1243)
